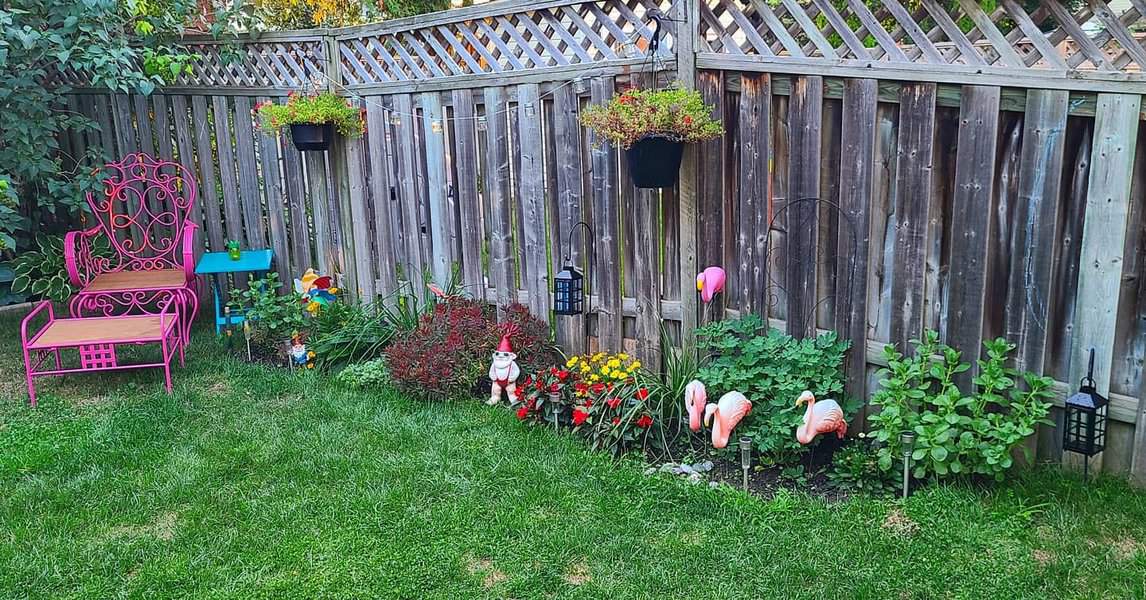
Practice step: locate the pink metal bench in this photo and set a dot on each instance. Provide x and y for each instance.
(144, 212)
(96, 341)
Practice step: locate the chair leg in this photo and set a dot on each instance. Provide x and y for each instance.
(29, 379)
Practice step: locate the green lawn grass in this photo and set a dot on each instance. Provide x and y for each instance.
(251, 482)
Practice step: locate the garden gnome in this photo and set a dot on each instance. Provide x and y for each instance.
(503, 372)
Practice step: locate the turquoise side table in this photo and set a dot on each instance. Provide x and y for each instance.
(215, 264)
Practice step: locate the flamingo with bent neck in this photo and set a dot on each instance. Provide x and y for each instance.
(824, 416)
(695, 397)
(725, 415)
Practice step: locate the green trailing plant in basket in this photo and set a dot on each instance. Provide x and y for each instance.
(316, 109)
(673, 113)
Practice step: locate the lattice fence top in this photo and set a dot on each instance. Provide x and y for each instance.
(553, 34)
(931, 32)
(286, 64)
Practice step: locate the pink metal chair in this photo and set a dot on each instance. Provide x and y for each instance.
(145, 214)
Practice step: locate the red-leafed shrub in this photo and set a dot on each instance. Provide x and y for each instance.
(450, 349)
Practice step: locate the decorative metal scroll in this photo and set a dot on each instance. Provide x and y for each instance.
(775, 287)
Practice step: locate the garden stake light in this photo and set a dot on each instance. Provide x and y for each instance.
(745, 458)
(1085, 420)
(907, 440)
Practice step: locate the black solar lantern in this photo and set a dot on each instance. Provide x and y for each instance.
(1085, 418)
(569, 284)
(569, 291)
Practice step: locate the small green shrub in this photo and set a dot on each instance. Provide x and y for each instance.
(275, 317)
(855, 468)
(956, 433)
(346, 332)
(369, 374)
(771, 368)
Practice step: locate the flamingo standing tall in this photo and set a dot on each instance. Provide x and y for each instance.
(725, 415)
(695, 397)
(824, 416)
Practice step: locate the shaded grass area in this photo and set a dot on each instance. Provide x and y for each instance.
(251, 482)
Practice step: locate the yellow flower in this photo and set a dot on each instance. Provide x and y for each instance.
(623, 356)
(614, 363)
(310, 354)
(571, 362)
(605, 372)
(636, 365)
(593, 378)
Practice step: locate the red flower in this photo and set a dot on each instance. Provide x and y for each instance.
(588, 403)
(645, 421)
(563, 374)
(555, 388)
(532, 404)
(616, 421)
(527, 380)
(552, 370)
(579, 416)
(687, 120)
(613, 402)
(522, 413)
(642, 394)
(597, 388)
(581, 387)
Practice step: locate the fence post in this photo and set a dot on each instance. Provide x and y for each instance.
(686, 72)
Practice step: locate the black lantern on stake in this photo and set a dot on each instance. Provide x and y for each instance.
(569, 284)
(1085, 419)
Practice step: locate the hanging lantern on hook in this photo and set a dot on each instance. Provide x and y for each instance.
(569, 283)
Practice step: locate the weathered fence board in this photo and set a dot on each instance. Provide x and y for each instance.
(498, 195)
(606, 225)
(1104, 238)
(805, 116)
(469, 203)
(569, 190)
(532, 199)
(857, 164)
(970, 219)
(754, 193)
(917, 129)
(385, 221)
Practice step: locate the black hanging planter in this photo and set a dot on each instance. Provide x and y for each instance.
(654, 161)
(312, 136)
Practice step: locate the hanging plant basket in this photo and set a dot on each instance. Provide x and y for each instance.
(654, 161)
(312, 136)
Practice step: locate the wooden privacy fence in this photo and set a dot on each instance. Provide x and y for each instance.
(886, 169)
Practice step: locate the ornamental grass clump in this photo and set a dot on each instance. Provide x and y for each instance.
(317, 109)
(674, 113)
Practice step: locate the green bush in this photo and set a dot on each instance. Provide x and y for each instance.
(274, 317)
(855, 468)
(369, 374)
(955, 432)
(772, 368)
(44, 272)
(345, 332)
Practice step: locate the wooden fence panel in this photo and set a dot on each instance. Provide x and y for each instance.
(971, 217)
(802, 214)
(437, 185)
(570, 198)
(857, 164)
(755, 204)
(603, 163)
(465, 158)
(497, 189)
(917, 127)
(247, 162)
(409, 192)
(385, 219)
(535, 275)
(710, 202)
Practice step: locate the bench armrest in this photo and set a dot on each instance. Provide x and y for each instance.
(46, 304)
(189, 230)
(82, 264)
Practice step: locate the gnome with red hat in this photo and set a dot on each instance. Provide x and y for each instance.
(504, 371)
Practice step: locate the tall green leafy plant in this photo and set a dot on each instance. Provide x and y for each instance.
(43, 272)
(957, 432)
(771, 368)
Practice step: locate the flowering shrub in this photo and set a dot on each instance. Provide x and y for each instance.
(598, 396)
(316, 109)
(450, 349)
(674, 113)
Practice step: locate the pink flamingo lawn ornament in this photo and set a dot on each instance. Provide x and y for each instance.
(824, 416)
(695, 397)
(710, 282)
(725, 415)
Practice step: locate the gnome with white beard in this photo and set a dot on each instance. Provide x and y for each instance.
(503, 373)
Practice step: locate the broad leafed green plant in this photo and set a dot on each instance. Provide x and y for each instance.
(957, 432)
(43, 272)
(772, 368)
